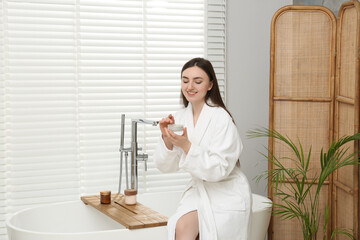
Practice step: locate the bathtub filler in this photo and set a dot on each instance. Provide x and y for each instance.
(135, 156)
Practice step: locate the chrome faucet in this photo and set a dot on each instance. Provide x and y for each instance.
(135, 156)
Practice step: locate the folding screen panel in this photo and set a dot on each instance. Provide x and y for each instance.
(301, 93)
(346, 180)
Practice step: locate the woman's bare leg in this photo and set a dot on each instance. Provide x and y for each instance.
(187, 227)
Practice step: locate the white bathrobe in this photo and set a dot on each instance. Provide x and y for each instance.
(219, 191)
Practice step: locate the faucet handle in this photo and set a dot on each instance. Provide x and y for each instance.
(143, 157)
(122, 149)
(128, 149)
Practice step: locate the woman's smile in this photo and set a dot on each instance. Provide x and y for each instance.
(191, 93)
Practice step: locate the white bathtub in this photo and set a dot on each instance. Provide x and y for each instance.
(77, 221)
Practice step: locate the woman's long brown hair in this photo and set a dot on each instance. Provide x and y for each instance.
(214, 93)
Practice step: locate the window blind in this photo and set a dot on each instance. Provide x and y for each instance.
(175, 33)
(216, 40)
(70, 68)
(111, 82)
(40, 105)
(2, 129)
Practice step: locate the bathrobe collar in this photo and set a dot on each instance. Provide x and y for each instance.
(197, 132)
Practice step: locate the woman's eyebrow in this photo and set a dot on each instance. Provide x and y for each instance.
(195, 78)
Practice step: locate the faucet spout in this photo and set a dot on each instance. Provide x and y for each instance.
(154, 123)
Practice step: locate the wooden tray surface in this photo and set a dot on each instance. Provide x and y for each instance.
(131, 216)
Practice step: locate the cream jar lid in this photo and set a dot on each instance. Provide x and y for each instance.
(176, 127)
(130, 192)
(105, 193)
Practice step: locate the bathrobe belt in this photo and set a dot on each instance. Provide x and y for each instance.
(205, 209)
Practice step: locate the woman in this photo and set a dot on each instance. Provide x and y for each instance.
(216, 204)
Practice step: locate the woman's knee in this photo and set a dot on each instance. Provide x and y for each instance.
(181, 228)
(187, 227)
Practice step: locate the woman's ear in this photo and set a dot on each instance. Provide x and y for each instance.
(211, 85)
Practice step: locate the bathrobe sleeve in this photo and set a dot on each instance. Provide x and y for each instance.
(167, 160)
(214, 161)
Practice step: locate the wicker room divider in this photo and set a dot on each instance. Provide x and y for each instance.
(345, 200)
(314, 97)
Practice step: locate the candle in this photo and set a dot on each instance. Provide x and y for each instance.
(130, 196)
(105, 197)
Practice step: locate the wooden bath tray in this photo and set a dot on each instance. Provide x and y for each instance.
(131, 216)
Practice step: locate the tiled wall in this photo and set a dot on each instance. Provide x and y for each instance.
(333, 5)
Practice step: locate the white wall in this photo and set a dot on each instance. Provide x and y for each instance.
(248, 64)
(333, 5)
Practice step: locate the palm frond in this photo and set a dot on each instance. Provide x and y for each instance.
(297, 199)
(345, 232)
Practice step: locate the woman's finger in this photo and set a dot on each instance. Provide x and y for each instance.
(184, 132)
(171, 118)
(168, 133)
(171, 133)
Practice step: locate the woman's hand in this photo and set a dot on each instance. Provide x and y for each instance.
(165, 122)
(181, 141)
(164, 128)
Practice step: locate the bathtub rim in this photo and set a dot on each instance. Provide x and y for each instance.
(266, 204)
(8, 223)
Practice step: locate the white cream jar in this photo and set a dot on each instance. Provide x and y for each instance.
(176, 128)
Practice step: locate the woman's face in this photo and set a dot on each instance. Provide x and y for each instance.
(194, 84)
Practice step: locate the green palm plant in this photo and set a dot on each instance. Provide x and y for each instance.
(300, 200)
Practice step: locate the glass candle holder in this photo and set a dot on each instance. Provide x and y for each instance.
(130, 196)
(105, 197)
